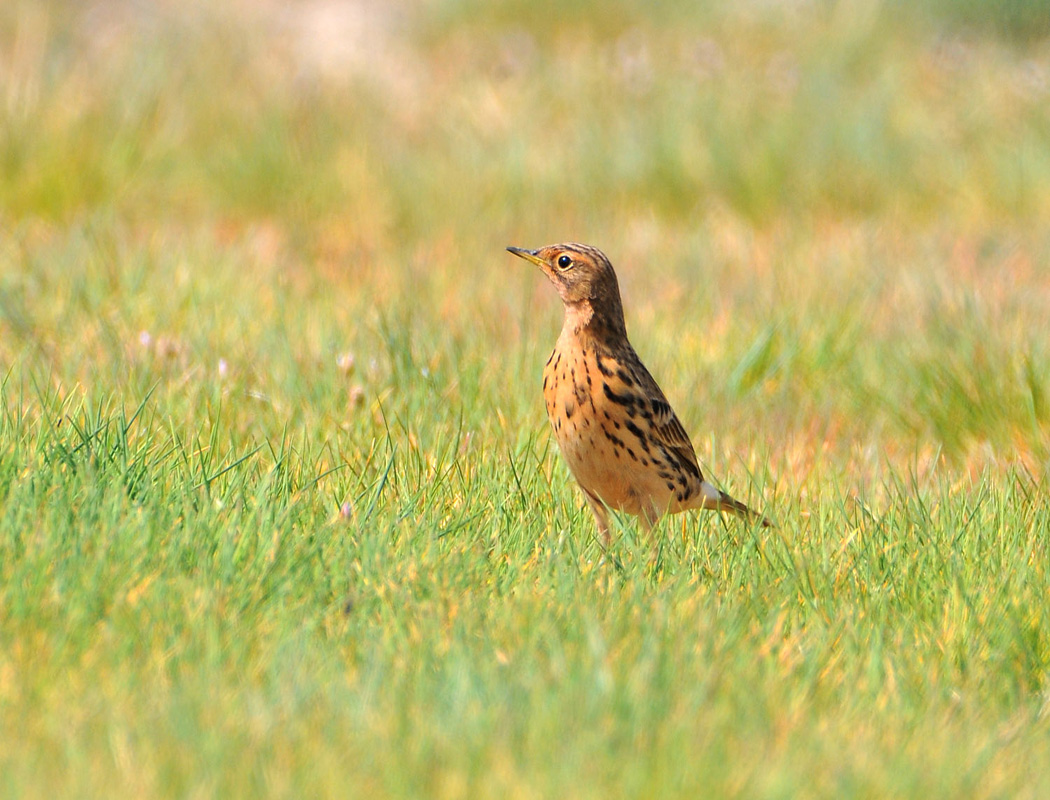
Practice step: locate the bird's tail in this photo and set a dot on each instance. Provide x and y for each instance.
(716, 499)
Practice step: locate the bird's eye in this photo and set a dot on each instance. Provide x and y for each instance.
(564, 262)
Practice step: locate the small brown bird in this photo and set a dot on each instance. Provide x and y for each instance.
(619, 435)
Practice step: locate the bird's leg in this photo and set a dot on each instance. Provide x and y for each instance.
(601, 517)
(647, 520)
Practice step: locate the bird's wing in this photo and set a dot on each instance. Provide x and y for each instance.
(665, 428)
(638, 391)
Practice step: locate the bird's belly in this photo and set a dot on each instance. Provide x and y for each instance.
(626, 481)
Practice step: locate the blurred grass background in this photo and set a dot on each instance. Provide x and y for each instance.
(252, 272)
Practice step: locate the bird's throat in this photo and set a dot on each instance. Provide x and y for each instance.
(585, 320)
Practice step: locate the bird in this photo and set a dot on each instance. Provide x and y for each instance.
(616, 430)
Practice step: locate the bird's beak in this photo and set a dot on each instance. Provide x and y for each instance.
(528, 255)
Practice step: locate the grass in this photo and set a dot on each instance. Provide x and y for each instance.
(279, 513)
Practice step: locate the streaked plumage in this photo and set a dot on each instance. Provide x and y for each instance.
(618, 433)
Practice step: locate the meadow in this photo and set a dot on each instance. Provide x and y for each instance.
(279, 511)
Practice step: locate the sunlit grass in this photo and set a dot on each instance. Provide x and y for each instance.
(279, 514)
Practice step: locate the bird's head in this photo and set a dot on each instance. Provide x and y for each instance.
(582, 275)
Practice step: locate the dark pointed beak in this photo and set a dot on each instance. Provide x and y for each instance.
(528, 255)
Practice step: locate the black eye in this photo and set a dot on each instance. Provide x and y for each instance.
(564, 262)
